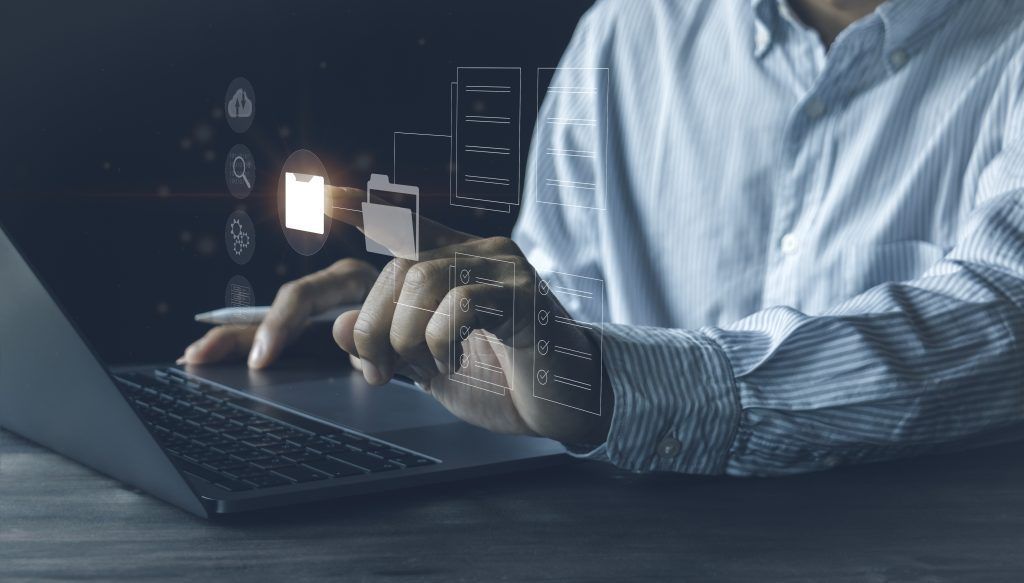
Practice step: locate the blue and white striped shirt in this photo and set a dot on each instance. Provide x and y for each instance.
(811, 255)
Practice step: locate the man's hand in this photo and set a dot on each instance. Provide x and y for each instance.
(434, 328)
(415, 323)
(347, 281)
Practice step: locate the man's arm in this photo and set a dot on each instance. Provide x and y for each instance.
(904, 368)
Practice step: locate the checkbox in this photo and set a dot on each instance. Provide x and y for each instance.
(542, 317)
(542, 347)
(464, 304)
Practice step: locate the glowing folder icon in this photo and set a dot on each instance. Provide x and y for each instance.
(304, 202)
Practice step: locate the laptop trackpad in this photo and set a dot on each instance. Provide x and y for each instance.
(339, 395)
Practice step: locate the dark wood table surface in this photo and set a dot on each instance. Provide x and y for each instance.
(956, 517)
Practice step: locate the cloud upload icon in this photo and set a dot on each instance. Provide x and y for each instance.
(240, 105)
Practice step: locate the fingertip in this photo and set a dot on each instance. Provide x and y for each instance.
(441, 366)
(257, 355)
(343, 331)
(371, 373)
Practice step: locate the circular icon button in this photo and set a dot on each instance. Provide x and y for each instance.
(240, 237)
(239, 293)
(240, 104)
(303, 202)
(240, 171)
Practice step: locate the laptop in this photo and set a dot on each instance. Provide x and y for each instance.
(224, 439)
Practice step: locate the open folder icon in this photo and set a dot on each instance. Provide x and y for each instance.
(304, 202)
(391, 225)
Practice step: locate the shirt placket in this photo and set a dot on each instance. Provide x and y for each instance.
(820, 90)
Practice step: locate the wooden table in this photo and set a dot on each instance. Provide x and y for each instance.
(945, 518)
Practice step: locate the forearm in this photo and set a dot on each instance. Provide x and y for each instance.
(904, 368)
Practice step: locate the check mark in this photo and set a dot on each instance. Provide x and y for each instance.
(542, 347)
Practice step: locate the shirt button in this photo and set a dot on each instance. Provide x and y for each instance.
(814, 108)
(761, 38)
(669, 447)
(789, 244)
(898, 58)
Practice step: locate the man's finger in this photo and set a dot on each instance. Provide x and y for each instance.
(343, 335)
(424, 288)
(344, 282)
(219, 344)
(343, 328)
(473, 308)
(372, 327)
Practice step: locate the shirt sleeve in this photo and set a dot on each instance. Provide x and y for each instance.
(555, 234)
(904, 368)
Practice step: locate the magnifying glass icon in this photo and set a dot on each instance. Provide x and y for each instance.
(240, 172)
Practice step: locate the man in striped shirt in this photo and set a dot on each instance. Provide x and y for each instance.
(797, 241)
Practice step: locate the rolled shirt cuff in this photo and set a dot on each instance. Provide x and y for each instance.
(676, 401)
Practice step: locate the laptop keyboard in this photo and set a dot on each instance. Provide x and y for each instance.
(238, 444)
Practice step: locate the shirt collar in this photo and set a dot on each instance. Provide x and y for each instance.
(905, 23)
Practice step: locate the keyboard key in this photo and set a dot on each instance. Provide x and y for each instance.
(412, 461)
(262, 441)
(209, 476)
(268, 481)
(302, 456)
(358, 458)
(300, 474)
(288, 434)
(272, 463)
(231, 447)
(211, 457)
(343, 439)
(251, 455)
(282, 448)
(264, 425)
(240, 434)
(244, 472)
(322, 446)
(232, 485)
(335, 468)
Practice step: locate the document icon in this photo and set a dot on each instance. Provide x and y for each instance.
(304, 202)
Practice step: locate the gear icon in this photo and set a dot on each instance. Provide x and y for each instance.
(239, 237)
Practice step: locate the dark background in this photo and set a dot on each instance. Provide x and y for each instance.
(113, 140)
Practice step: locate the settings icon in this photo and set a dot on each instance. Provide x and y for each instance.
(241, 236)
(238, 236)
